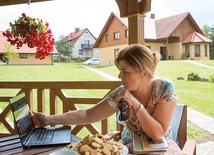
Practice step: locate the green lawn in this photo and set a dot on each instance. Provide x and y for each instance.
(56, 72)
(195, 94)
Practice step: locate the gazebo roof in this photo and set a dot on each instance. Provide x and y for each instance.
(13, 2)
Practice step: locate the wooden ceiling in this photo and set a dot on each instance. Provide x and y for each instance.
(13, 2)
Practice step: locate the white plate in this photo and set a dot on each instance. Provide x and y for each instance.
(125, 151)
(64, 152)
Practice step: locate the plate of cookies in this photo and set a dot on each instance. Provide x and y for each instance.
(97, 145)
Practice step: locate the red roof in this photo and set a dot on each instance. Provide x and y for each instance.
(74, 36)
(196, 37)
(166, 26)
(24, 49)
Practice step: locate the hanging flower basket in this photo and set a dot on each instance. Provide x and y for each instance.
(32, 32)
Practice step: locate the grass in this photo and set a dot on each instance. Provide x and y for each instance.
(57, 72)
(197, 95)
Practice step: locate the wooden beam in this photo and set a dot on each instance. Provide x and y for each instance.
(133, 7)
(15, 2)
(123, 7)
(61, 84)
(145, 6)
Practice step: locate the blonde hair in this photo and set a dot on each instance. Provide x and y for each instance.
(140, 57)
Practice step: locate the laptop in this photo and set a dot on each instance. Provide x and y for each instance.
(31, 136)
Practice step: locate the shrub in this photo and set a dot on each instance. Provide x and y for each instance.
(184, 56)
(193, 77)
(212, 78)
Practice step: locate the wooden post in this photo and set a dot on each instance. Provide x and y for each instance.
(136, 29)
(29, 96)
(53, 103)
(41, 100)
(135, 11)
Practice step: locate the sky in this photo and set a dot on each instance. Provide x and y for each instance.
(64, 16)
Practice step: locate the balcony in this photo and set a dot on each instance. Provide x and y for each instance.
(49, 97)
(84, 46)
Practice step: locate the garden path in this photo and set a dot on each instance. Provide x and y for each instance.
(199, 64)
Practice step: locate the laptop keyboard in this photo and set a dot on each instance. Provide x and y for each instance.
(42, 136)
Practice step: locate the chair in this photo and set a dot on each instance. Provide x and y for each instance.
(179, 131)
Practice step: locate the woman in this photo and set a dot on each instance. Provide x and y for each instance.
(146, 103)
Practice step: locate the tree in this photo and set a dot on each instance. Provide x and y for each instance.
(206, 30)
(63, 46)
(10, 51)
(209, 32)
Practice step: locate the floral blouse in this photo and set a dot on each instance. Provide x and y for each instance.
(162, 89)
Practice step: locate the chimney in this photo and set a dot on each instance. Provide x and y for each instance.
(152, 16)
(76, 30)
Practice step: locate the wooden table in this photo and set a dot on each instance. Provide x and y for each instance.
(12, 146)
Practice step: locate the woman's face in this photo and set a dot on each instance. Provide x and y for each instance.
(131, 80)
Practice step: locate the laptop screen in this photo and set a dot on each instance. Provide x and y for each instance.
(21, 113)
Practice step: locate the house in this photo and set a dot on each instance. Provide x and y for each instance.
(173, 37)
(26, 55)
(83, 42)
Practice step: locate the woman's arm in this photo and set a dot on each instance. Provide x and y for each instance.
(157, 125)
(96, 113)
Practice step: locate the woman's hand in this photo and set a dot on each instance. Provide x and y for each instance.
(40, 119)
(127, 96)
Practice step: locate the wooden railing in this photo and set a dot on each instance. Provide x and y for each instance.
(36, 93)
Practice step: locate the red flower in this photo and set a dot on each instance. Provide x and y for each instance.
(33, 33)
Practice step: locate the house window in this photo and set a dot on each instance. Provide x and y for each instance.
(107, 38)
(126, 33)
(116, 51)
(86, 42)
(22, 56)
(116, 35)
(197, 51)
(187, 51)
(205, 50)
(81, 52)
